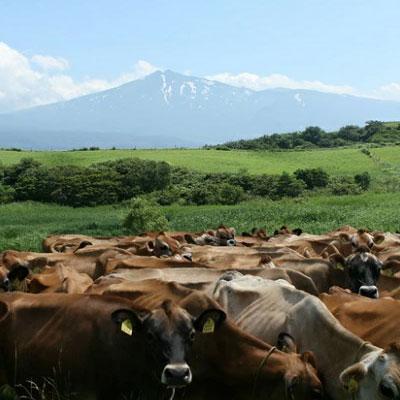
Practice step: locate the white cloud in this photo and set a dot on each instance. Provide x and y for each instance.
(390, 91)
(256, 82)
(48, 62)
(22, 86)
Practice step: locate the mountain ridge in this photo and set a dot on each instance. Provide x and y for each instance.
(168, 109)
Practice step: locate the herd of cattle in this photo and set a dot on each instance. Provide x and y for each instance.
(203, 316)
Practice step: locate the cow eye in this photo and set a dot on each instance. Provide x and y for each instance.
(387, 391)
(370, 244)
(192, 336)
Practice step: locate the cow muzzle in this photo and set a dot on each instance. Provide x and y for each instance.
(176, 375)
(369, 291)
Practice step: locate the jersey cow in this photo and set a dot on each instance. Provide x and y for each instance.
(96, 345)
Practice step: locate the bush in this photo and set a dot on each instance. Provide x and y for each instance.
(342, 185)
(144, 216)
(229, 194)
(6, 194)
(363, 180)
(313, 177)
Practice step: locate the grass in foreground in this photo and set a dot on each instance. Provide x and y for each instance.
(24, 225)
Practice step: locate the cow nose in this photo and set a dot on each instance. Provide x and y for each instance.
(369, 291)
(188, 256)
(231, 242)
(176, 375)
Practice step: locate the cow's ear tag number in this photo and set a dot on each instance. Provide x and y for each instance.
(209, 326)
(340, 266)
(353, 385)
(126, 327)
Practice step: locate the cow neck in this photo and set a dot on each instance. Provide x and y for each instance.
(338, 349)
(234, 358)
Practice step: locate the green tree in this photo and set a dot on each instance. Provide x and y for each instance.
(144, 216)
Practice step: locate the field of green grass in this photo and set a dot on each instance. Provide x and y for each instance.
(335, 161)
(24, 225)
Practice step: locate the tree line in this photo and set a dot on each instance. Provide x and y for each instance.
(315, 137)
(114, 182)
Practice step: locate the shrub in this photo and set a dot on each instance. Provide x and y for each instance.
(229, 194)
(363, 180)
(6, 194)
(343, 185)
(144, 216)
(313, 177)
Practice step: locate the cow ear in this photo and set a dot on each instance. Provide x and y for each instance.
(127, 320)
(297, 231)
(38, 262)
(189, 239)
(344, 237)
(352, 376)
(209, 320)
(309, 357)
(232, 231)
(378, 239)
(391, 267)
(286, 343)
(337, 261)
(19, 272)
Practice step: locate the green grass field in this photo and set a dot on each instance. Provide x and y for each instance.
(24, 225)
(335, 161)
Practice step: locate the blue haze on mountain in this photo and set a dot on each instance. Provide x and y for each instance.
(167, 109)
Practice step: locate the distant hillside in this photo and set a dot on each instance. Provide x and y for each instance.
(315, 137)
(167, 109)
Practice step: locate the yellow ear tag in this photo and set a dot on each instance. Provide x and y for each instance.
(340, 266)
(353, 385)
(126, 327)
(36, 270)
(379, 241)
(388, 271)
(209, 326)
(285, 349)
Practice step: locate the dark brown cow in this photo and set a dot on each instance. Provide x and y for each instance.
(97, 345)
(225, 364)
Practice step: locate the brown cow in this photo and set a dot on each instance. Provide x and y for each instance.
(97, 345)
(374, 320)
(229, 359)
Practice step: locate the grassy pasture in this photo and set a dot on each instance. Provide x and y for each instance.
(24, 225)
(335, 161)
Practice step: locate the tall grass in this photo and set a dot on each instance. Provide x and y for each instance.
(24, 225)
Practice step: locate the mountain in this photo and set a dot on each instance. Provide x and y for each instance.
(167, 109)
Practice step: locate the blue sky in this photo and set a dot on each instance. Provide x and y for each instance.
(349, 46)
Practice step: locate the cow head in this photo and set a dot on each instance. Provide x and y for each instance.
(225, 236)
(362, 271)
(302, 366)
(11, 279)
(169, 332)
(359, 239)
(376, 376)
(284, 230)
